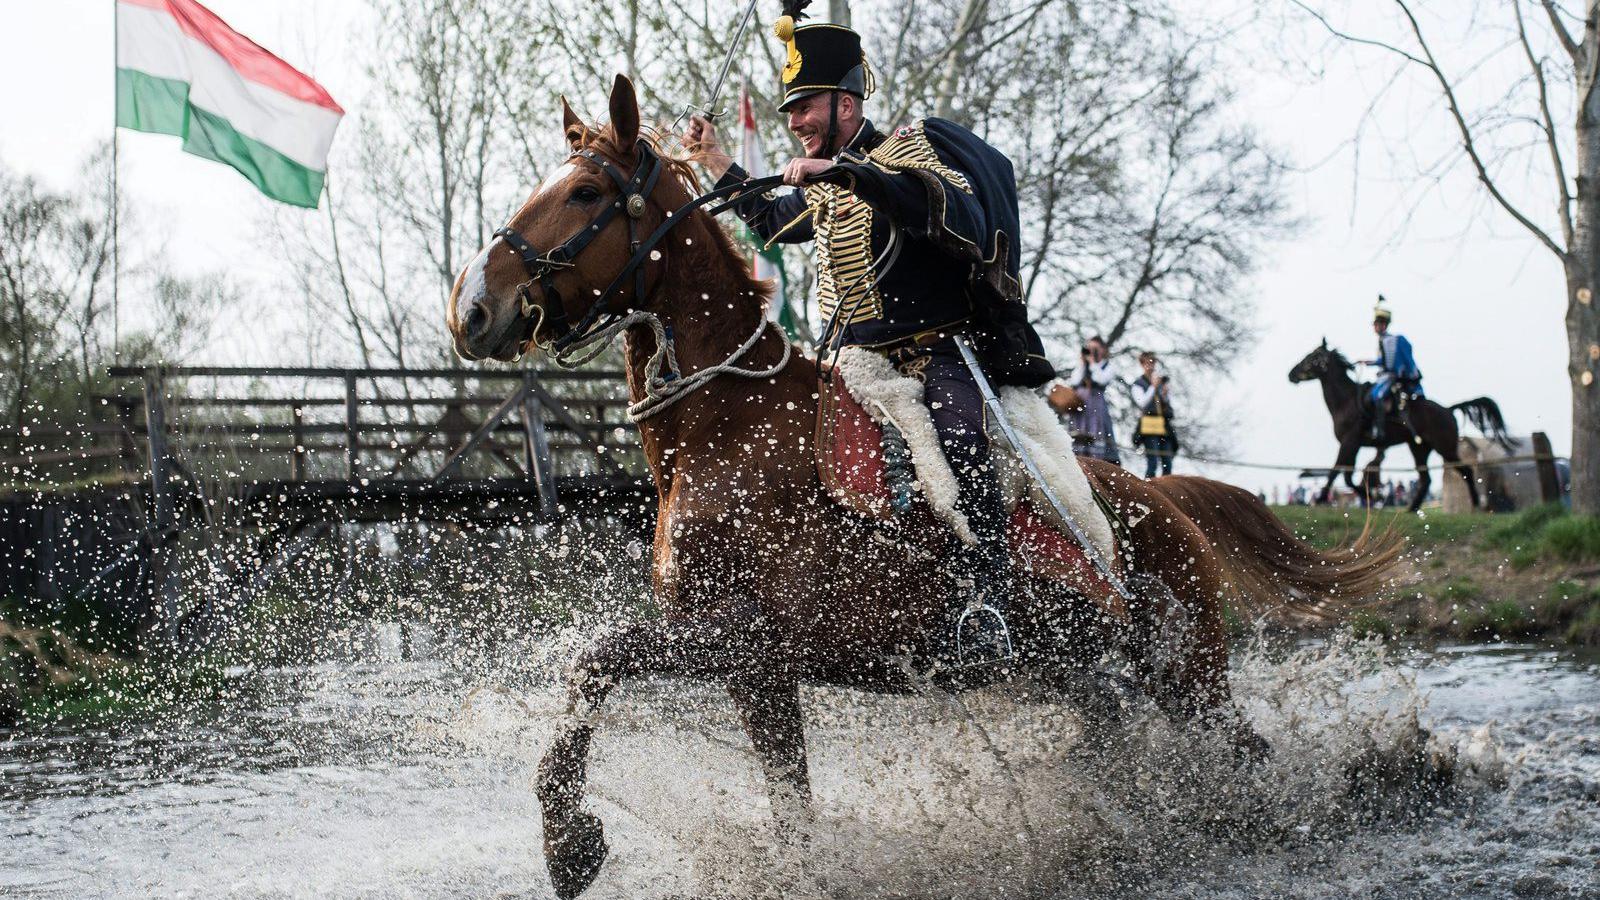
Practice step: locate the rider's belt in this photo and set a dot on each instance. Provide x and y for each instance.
(907, 351)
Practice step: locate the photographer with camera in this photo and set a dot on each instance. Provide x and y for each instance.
(1155, 434)
(1093, 433)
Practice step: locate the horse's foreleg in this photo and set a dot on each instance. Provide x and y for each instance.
(770, 709)
(1371, 479)
(574, 840)
(1344, 463)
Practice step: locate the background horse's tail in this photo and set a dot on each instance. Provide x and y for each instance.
(1271, 567)
(1484, 414)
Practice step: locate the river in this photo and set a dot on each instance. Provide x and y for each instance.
(1456, 771)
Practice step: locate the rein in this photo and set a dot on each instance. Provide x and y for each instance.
(593, 335)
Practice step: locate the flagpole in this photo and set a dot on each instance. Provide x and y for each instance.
(116, 198)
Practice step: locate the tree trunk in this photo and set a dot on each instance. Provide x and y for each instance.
(1583, 348)
(1583, 320)
(1583, 340)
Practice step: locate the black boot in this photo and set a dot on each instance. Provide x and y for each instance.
(982, 635)
(978, 643)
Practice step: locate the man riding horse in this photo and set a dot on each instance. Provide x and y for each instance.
(1399, 380)
(915, 233)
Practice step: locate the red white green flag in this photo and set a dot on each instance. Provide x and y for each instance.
(765, 262)
(183, 71)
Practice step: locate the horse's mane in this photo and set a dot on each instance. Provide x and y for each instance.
(1341, 359)
(682, 172)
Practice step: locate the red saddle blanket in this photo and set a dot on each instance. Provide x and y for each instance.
(850, 462)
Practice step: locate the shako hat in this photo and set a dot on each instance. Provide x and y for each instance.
(821, 57)
(1381, 312)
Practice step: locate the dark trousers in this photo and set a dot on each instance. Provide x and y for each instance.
(956, 406)
(1158, 451)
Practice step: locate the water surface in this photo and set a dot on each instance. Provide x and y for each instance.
(1457, 771)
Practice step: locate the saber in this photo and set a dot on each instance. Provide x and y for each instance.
(727, 63)
(992, 402)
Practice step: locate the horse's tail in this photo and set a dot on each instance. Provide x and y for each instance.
(1271, 567)
(1484, 414)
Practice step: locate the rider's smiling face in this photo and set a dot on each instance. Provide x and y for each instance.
(808, 120)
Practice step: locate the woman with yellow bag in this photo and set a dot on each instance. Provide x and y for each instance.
(1155, 434)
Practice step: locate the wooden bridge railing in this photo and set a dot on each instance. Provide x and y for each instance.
(303, 424)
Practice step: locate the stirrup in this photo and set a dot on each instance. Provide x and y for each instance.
(1005, 636)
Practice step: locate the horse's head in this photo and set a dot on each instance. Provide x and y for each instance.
(1318, 362)
(552, 263)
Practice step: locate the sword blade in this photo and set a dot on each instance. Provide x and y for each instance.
(997, 411)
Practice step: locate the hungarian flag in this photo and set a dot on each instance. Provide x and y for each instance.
(765, 262)
(183, 71)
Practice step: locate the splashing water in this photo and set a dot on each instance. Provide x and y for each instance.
(1402, 772)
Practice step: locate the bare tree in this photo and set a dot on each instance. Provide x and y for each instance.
(55, 273)
(1509, 128)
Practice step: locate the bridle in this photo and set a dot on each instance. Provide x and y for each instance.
(575, 345)
(542, 268)
(633, 194)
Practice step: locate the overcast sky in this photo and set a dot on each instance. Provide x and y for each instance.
(1480, 301)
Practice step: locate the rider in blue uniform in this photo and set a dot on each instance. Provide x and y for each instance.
(1399, 379)
(916, 234)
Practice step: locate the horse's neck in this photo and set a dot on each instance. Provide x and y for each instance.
(709, 314)
(1337, 387)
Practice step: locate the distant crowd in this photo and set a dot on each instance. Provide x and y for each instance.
(1389, 495)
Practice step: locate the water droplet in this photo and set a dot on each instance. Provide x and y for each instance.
(655, 255)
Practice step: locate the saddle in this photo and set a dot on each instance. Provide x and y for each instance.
(855, 468)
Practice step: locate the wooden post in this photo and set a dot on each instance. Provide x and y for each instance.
(163, 521)
(297, 460)
(1544, 459)
(536, 446)
(130, 450)
(352, 430)
(155, 417)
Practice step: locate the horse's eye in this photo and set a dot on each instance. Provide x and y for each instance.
(585, 194)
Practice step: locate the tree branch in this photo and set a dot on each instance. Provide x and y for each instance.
(1548, 126)
(1469, 144)
(1562, 34)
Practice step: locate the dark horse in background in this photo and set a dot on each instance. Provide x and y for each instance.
(1424, 426)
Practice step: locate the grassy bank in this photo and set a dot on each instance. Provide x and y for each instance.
(1533, 575)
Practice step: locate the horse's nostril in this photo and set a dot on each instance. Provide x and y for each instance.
(477, 321)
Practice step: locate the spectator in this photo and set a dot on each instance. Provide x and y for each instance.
(1092, 430)
(1155, 434)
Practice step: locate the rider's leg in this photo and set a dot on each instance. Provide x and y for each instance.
(956, 407)
(1380, 410)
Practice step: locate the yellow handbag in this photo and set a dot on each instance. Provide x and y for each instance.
(1152, 426)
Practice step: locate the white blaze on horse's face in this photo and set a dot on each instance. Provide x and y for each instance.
(474, 283)
(554, 178)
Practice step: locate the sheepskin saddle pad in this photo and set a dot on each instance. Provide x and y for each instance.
(866, 394)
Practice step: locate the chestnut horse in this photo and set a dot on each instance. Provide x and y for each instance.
(762, 580)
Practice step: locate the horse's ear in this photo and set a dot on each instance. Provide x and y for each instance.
(1324, 343)
(571, 125)
(624, 113)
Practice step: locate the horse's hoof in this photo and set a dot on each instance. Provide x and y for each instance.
(574, 855)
